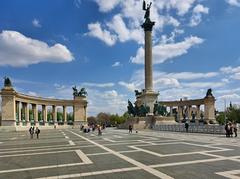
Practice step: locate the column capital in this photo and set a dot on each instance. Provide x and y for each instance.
(148, 25)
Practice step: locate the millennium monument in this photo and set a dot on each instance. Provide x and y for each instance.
(147, 97)
(16, 108)
(148, 110)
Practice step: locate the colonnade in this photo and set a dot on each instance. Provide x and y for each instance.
(16, 109)
(191, 109)
(23, 113)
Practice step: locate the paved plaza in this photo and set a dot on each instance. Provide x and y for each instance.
(116, 154)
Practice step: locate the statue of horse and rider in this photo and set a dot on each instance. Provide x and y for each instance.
(81, 93)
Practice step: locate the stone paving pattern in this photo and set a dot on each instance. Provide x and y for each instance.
(118, 154)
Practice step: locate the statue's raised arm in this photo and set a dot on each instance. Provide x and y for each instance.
(147, 9)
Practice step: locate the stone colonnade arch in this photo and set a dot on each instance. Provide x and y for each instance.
(16, 105)
(185, 107)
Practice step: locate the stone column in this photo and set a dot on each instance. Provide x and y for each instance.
(171, 111)
(198, 112)
(147, 26)
(44, 113)
(27, 114)
(20, 112)
(190, 112)
(64, 114)
(54, 114)
(35, 113)
(148, 61)
(180, 116)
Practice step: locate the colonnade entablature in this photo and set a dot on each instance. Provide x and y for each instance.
(21, 109)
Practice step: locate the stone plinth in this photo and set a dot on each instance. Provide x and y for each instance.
(8, 107)
(209, 108)
(148, 98)
(79, 109)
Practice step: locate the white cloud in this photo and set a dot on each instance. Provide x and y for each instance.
(192, 75)
(130, 86)
(203, 84)
(36, 23)
(99, 85)
(229, 69)
(116, 64)
(18, 50)
(106, 6)
(233, 2)
(182, 6)
(197, 14)
(163, 52)
(95, 30)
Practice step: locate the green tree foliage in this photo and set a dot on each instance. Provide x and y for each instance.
(233, 114)
(221, 118)
(59, 116)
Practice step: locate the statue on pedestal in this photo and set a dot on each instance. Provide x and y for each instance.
(147, 9)
(7, 82)
(81, 93)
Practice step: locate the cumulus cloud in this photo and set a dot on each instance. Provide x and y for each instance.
(95, 30)
(99, 85)
(163, 52)
(197, 14)
(234, 2)
(130, 86)
(106, 6)
(18, 50)
(36, 23)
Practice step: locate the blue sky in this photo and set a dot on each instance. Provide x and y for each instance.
(46, 47)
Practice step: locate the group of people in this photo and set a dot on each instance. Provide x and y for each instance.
(32, 130)
(231, 128)
(88, 128)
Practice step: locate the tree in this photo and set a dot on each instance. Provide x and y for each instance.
(92, 120)
(103, 118)
(233, 113)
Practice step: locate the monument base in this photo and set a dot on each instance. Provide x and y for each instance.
(8, 123)
(148, 98)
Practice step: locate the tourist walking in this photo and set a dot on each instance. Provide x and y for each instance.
(186, 126)
(37, 132)
(31, 132)
(99, 130)
(235, 129)
(227, 129)
(130, 128)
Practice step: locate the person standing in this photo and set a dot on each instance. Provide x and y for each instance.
(37, 132)
(235, 129)
(31, 132)
(130, 128)
(186, 126)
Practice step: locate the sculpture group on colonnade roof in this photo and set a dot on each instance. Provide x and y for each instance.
(81, 93)
(7, 82)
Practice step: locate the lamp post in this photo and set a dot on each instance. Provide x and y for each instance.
(225, 118)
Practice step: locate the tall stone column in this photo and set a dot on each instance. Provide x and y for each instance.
(198, 112)
(27, 114)
(64, 114)
(148, 98)
(35, 113)
(20, 112)
(54, 114)
(44, 113)
(171, 111)
(189, 112)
